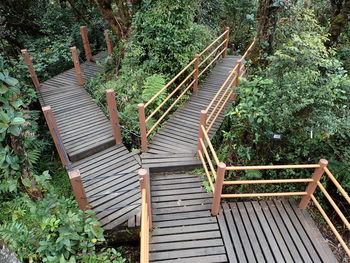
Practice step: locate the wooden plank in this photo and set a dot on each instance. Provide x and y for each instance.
(284, 232)
(200, 259)
(187, 244)
(268, 233)
(230, 252)
(240, 237)
(293, 232)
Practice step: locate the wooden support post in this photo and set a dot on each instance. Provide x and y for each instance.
(313, 185)
(78, 189)
(145, 184)
(113, 115)
(143, 128)
(78, 72)
(220, 176)
(196, 73)
(51, 122)
(238, 70)
(84, 36)
(108, 41)
(226, 44)
(31, 68)
(202, 122)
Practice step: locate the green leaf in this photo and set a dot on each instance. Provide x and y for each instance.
(17, 103)
(4, 117)
(18, 121)
(14, 130)
(26, 182)
(3, 127)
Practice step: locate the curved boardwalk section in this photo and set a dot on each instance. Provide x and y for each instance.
(175, 144)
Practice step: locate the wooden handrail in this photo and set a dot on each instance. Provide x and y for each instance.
(336, 208)
(329, 222)
(273, 167)
(207, 157)
(206, 136)
(212, 43)
(170, 107)
(272, 181)
(169, 83)
(336, 183)
(263, 194)
(146, 215)
(169, 96)
(206, 171)
(195, 74)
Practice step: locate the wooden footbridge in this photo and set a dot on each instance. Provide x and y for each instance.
(180, 220)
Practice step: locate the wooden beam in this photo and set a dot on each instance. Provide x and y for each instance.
(202, 122)
(195, 75)
(226, 43)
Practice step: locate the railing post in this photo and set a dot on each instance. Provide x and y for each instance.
(108, 41)
(113, 115)
(145, 184)
(51, 122)
(31, 68)
(202, 122)
(226, 44)
(196, 73)
(84, 36)
(143, 128)
(78, 189)
(312, 185)
(79, 74)
(238, 70)
(220, 176)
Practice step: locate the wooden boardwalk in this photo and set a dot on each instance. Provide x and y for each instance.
(185, 231)
(83, 127)
(175, 144)
(183, 228)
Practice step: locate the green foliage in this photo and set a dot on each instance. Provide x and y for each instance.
(53, 230)
(303, 95)
(164, 38)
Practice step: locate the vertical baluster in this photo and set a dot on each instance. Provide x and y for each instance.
(195, 74)
(108, 41)
(226, 43)
(202, 122)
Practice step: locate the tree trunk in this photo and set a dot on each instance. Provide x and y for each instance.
(120, 21)
(341, 16)
(267, 20)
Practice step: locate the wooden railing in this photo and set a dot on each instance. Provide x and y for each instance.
(226, 92)
(216, 170)
(146, 215)
(199, 66)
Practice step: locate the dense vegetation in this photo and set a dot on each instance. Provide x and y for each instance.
(298, 87)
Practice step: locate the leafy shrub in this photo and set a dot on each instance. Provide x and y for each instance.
(303, 95)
